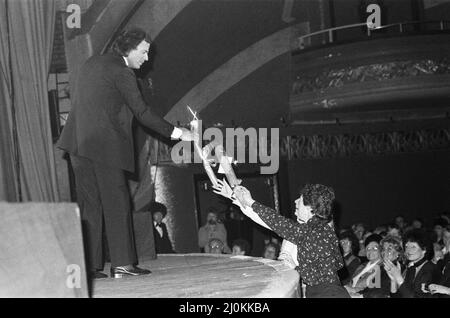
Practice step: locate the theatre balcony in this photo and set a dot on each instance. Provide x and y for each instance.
(354, 74)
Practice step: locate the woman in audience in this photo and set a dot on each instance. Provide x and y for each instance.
(271, 251)
(392, 250)
(215, 246)
(317, 245)
(419, 273)
(360, 230)
(442, 288)
(417, 223)
(370, 280)
(350, 248)
(240, 247)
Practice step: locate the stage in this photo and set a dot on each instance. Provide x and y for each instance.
(203, 276)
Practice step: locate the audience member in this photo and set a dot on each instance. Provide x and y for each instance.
(350, 248)
(271, 251)
(240, 247)
(438, 228)
(163, 245)
(394, 230)
(417, 223)
(399, 220)
(215, 246)
(442, 287)
(212, 229)
(419, 273)
(359, 230)
(370, 280)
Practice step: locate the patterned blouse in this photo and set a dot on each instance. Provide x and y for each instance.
(319, 256)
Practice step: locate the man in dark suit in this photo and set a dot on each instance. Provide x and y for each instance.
(98, 137)
(162, 240)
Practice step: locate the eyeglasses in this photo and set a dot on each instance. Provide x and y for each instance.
(373, 248)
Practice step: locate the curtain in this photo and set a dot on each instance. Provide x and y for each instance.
(31, 27)
(8, 177)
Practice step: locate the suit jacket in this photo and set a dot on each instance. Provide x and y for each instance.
(163, 244)
(104, 100)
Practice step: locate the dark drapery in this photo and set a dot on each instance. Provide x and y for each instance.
(26, 33)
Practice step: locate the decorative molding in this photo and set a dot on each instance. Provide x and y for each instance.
(346, 145)
(335, 78)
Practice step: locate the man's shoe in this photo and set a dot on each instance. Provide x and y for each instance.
(121, 271)
(97, 275)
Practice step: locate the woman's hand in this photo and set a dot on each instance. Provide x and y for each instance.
(394, 271)
(244, 196)
(224, 189)
(439, 289)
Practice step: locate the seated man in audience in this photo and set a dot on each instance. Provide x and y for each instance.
(271, 251)
(215, 246)
(240, 247)
(420, 272)
(212, 229)
(162, 240)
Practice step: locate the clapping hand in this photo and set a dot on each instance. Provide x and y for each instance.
(394, 271)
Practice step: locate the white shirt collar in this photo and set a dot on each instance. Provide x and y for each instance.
(126, 62)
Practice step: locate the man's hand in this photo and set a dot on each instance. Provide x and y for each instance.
(188, 135)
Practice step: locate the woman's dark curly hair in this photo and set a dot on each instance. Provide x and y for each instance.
(128, 40)
(422, 239)
(320, 198)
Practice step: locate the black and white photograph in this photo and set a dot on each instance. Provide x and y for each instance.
(225, 154)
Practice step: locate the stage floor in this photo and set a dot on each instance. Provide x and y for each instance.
(203, 276)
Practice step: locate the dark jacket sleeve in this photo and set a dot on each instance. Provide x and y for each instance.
(284, 227)
(126, 83)
(425, 276)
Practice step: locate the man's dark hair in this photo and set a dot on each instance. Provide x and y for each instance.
(320, 198)
(243, 245)
(349, 235)
(128, 40)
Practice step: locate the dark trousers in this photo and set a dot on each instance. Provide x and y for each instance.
(326, 291)
(103, 195)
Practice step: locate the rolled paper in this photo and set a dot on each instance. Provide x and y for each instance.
(207, 164)
(226, 166)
